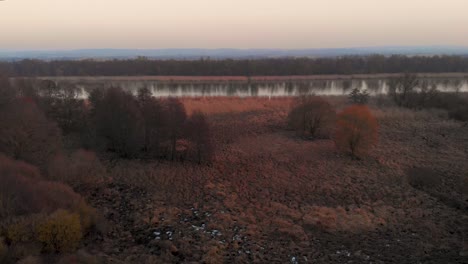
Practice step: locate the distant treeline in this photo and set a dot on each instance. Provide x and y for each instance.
(245, 67)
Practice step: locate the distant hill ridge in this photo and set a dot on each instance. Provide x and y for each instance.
(228, 53)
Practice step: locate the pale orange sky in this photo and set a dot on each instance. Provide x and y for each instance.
(70, 24)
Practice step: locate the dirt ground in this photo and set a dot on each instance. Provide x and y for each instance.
(271, 197)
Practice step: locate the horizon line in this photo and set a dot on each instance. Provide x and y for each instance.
(231, 48)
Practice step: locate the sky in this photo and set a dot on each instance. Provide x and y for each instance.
(287, 24)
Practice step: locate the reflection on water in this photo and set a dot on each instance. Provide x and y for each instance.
(261, 88)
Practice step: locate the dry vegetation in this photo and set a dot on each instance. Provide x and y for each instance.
(271, 197)
(264, 195)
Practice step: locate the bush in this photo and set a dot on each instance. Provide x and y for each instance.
(119, 123)
(60, 232)
(23, 191)
(80, 257)
(421, 178)
(356, 130)
(198, 132)
(154, 118)
(459, 111)
(7, 92)
(26, 133)
(403, 88)
(312, 117)
(3, 250)
(87, 216)
(359, 97)
(81, 170)
(20, 230)
(175, 114)
(17, 188)
(30, 260)
(62, 105)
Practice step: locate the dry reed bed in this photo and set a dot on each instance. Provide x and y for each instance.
(282, 193)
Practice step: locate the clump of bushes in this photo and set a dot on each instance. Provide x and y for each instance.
(3, 250)
(60, 232)
(33, 209)
(24, 191)
(27, 134)
(409, 91)
(82, 169)
(358, 96)
(199, 133)
(422, 178)
(403, 89)
(144, 127)
(312, 117)
(356, 130)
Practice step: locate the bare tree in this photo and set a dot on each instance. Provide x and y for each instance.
(358, 96)
(119, 123)
(175, 114)
(7, 93)
(403, 88)
(312, 116)
(27, 134)
(198, 132)
(152, 112)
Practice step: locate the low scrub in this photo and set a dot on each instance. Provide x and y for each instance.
(312, 117)
(34, 210)
(410, 91)
(423, 178)
(356, 130)
(60, 232)
(21, 195)
(82, 169)
(3, 250)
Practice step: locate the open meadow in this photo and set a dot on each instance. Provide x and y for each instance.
(270, 196)
(125, 178)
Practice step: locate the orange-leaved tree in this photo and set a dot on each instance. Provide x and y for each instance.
(356, 130)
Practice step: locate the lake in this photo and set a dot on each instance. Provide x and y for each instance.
(264, 86)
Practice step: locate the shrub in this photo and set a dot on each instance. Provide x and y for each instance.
(87, 215)
(60, 232)
(423, 178)
(7, 93)
(55, 195)
(198, 132)
(358, 96)
(119, 123)
(30, 260)
(175, 114)
(81, 170)
(459, 111)
(62, 105)
(3, 250)
(20, 230)
(154, 118)
(23, 191)
(26, 134)
(80, 257)
(312, 116)
(17, 188)
(20, 236)
(403, 88)
(356, 130)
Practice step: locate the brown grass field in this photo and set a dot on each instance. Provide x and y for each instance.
(270, 197)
